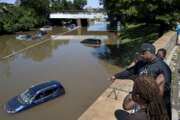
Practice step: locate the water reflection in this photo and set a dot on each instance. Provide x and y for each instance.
(116, 54)
(98, 26)
(5, 71)
(39, 53)
(9, 45)
(43, 51)
(102, 52)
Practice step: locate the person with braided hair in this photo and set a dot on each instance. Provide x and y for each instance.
(146, 94)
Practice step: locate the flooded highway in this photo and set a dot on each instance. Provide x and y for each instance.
(82, 70)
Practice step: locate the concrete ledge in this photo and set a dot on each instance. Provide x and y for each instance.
(167, 41)
(105, 106)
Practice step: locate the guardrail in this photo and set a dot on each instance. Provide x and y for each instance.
(80, 11)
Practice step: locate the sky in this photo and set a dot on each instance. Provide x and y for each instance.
(90, 3)
(93, 3)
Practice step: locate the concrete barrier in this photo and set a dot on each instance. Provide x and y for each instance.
(167, 41)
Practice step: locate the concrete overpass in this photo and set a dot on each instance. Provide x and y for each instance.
(79, 16)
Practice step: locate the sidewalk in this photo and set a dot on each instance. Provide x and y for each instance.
(175, 66)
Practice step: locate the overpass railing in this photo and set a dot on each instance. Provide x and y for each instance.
(80, 11)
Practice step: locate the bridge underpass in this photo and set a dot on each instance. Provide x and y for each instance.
(81, 18)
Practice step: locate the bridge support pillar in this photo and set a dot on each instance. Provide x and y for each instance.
(90, 22)
(79, 22)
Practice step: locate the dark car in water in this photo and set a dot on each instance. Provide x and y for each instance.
(91, 41)
(37, 94)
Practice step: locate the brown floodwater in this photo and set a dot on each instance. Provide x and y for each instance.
(83, 71)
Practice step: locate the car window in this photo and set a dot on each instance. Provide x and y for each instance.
(39, 96)
(50, 91)
(27, 95)
(45, 93)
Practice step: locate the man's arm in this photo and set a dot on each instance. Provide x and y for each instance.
(123, 75)
(126, 74)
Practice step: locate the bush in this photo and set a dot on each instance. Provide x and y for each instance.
(15, 18)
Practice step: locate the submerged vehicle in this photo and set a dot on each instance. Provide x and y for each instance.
(37, 94)
(24, 37)
(46, 28)
(40, 34)
(71, 26)
(91, 41)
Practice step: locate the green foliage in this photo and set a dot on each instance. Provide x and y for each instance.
(41, 7)
(64, 5)
(60, 5)
(25, 23)
(25, 19)
(1, 26)
(14, 18)
(79, 4)
(130, 41)
(32, 13)
(163, 12)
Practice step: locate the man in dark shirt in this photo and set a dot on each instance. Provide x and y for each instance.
(152, 66)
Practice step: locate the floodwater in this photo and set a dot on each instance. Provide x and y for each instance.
(82, 70)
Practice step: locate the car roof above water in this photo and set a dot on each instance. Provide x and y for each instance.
(44, 85)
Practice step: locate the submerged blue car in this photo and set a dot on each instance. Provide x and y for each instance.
(35, 95)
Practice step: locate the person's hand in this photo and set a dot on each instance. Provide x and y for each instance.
(113, 78)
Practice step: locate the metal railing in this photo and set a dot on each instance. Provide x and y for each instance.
(80, 11)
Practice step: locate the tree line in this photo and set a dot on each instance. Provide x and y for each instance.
(164, 13)
(32, 13)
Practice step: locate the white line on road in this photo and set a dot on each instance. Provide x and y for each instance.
(34, 45)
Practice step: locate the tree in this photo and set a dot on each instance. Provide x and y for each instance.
(25, 20)
(15, 18)
(79, 4)
(165, 13)
(41, 7)
(65, 5)
(61, 5)
(1, 27)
